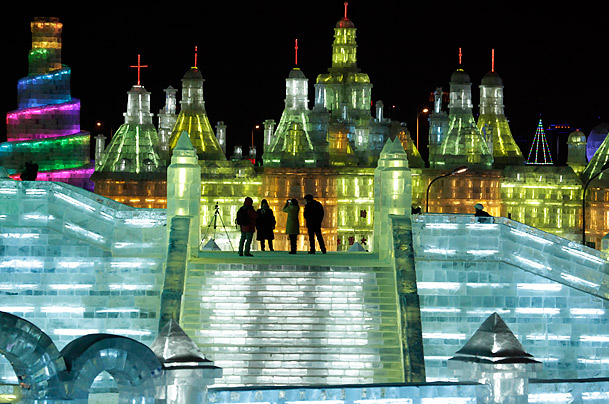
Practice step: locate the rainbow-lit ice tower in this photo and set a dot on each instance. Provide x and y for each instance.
(45, 129)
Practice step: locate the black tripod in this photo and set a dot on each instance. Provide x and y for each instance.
(214, 222)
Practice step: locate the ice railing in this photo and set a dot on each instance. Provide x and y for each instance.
(80, 214)
(448, 237)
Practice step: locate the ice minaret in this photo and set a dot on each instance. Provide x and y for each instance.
(194, 120)
(438, 127)
(184, 188)
(167, 119)
(392, 192)
(291, 145)
(133, 148)
(540, 151)
(576, 151)
(464, 144)
(493, 123)
(221, 135)
(345, 92)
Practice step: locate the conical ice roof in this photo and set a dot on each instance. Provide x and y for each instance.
(174, 348)
(494, 342)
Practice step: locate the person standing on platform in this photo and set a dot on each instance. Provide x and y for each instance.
(481, 215)
(246, 219)
(314, 214)
(265, 223)
(292, 227)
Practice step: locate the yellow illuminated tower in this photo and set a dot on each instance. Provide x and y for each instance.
(493, 123)
(193, 119)
(464, 143)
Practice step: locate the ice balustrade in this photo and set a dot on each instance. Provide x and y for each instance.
(551, 291)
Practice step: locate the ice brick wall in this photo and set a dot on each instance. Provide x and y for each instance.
(75, 263)
(301, 324)
(550, 292)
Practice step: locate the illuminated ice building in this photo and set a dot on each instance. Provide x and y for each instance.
(45, 129)
(100, 297)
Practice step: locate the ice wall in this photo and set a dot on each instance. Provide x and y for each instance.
(75, 263)
(551, 292)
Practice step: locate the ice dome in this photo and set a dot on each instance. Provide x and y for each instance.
(193, 74)
(576, 137)
(459, 77)
(492, 79)
(296, 73)
(345, 23)
(596, 138)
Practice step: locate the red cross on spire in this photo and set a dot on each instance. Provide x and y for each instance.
(196, 67)
(296, 52)
(139, 67)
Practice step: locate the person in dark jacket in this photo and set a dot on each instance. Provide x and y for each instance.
(314, 214)
(247, 230)
(292, 226)
(265, 223)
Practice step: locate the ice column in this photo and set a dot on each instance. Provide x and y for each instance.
(392, 193)
(184, 188)
(167, 119)
(100, 145)
(494, 356)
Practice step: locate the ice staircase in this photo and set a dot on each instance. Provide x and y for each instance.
(278, 319)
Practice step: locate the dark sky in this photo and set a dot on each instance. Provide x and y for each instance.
(551, 60)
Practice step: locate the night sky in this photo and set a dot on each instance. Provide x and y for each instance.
(551, 60)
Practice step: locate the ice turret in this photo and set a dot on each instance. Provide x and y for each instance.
(493, 123)
(576, 151)
(184, 187)
(133, 148)
(194, 120)
(438, 128)
(464, 144)
(291, 145)
(345, 92)
(167, 119)
(392, 192)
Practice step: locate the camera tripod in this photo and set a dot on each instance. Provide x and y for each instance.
(214, 222)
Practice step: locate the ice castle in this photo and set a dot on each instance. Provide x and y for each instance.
(100, 297)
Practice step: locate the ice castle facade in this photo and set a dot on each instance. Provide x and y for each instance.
(92, 287)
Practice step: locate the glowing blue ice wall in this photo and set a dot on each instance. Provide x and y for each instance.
(551, 292)
(75, 263)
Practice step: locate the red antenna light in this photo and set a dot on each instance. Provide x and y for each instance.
(195, 57)
(139, 67)
(460, 54)
(296, 52)
(346, 4)
(493, 60)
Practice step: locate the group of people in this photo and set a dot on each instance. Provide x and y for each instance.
(262, 221)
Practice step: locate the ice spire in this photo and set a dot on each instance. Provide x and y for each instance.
(133, 148)
(291, 145)
(493, 123)
(194, 120)
(464, 143)
(537, 156)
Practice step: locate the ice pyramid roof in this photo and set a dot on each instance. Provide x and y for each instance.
(494, 342)
(174, 348)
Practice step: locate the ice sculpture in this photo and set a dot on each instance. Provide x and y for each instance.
(186, 371)
(576, 151)
(184, 188)
(392, 193)
(495, 357)
(464, 144)
(493, 123)
(167, 119)
(46, 128)
(193, 119)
